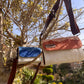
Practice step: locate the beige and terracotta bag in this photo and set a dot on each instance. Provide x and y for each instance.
(63, 50)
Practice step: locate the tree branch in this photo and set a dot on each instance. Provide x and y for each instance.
(30, 11)
(12, 18)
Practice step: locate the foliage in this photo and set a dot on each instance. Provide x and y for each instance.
(44, 77)
(75, 76)
(54, 69)
(50, 66)
(47, 70)
(25, 75)
(65, 68)
(38, 80)
(50, 77)
(82, 69)
(53, 83)
(60, 83)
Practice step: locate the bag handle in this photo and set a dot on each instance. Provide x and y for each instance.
(13, 71)
(73, 24)
(32, 81)
(50, 17)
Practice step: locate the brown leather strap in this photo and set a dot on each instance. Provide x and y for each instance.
(13, 71)
(43, 58)
(74, 26)
(50, 17)
(32, 82)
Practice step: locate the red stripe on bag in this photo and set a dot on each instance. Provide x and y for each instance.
(62, 43)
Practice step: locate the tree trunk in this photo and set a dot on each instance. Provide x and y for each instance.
(4, 74)
(4, 77)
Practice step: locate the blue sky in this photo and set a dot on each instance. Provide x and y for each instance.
(77, 3)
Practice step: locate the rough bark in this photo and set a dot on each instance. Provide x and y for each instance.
(4, 72)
